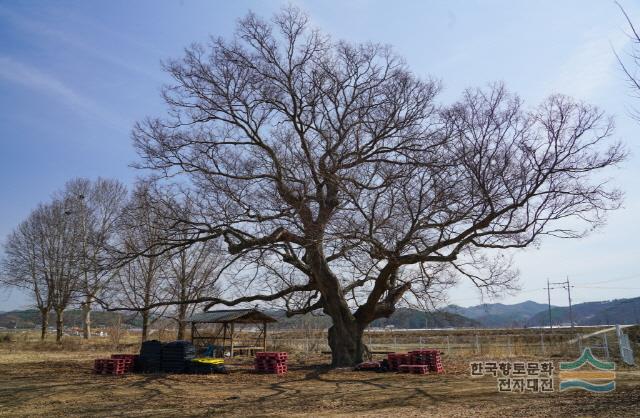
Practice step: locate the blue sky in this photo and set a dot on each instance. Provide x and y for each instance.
(75, 75)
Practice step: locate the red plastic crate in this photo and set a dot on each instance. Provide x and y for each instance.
(273, 355)
(397, 359)
(414, 368)
(129, 360)
(115, 366)
(280, 369)
(428, 357)
(404, 368)
(273, 367)
(261, 365)
(271, 362)
(438, 368)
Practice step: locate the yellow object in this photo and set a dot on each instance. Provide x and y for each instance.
(209, 360)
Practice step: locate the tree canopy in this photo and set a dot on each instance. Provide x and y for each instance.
(339, 182)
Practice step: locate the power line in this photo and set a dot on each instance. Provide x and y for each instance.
(608, 287)
(614, 279)
(562, 285)
(617, 279)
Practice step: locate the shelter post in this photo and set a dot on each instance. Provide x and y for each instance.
(264, 335)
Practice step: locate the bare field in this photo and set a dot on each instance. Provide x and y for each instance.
(60, 383)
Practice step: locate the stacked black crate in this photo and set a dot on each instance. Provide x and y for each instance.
(150, 359)
(176, 355)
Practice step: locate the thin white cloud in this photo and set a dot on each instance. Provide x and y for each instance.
(591, 67)
(34, 27)
(33, 78)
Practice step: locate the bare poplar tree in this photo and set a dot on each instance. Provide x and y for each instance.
(631, 67)
(191, 271)
(338, 182)
(22, 266)
(96, 207)
(191, 274)
(141, 281)
(61, 264)
(42, 255)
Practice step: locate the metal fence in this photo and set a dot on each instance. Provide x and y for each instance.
(480, 344)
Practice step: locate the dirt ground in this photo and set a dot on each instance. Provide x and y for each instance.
(61, 384)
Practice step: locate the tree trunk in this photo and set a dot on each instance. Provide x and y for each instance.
(44, 323)
(86, 319)
(345, 334)
(182, 316)
(59, 326)
(145, 325)
(345, 341)
(181, 330)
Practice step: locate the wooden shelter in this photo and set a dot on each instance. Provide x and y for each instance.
(224, 338)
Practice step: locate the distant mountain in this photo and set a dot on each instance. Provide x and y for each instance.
(529, 313)
(498, 314)
(415, 319)
(617, 311)
(401, 318)
(493, 315)
(315, 320)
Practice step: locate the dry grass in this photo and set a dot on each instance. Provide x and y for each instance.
(56, 384)
(29, 341)
(46, 379)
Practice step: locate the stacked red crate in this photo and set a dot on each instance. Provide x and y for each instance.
(271, 362)
(414, 368)
(430, 358)
(115, 366)
(396, 360)
(129, 360)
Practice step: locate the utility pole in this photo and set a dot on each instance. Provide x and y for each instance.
(570, 309)
(549, 297)
(565, 285)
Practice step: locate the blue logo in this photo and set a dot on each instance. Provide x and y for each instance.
(599, 378)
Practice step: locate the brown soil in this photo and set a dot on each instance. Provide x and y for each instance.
(61, 384)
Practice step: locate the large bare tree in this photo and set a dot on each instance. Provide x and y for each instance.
(339, 183)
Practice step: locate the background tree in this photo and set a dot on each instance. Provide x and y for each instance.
(59, 240)
(22, 266)
(96, 207)
(141, 283)
(338, 183)
(191, 274)
(632, 66)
